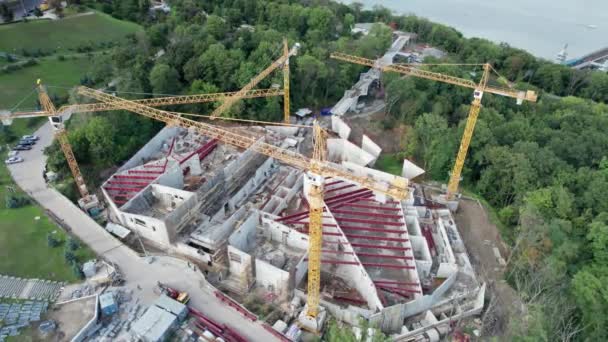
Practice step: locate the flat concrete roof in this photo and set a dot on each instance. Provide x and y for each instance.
(154, 324)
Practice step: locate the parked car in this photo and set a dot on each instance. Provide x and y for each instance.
(22, 148)
(27, 142)
(30, 137)
(13, 160)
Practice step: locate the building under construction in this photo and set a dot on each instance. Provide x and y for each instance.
(400, 264)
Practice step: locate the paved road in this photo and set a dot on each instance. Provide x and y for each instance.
(136, 270)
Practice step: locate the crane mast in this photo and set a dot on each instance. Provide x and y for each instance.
(62, 137)
(479, 89)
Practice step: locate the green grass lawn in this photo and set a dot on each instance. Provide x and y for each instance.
(23, 232)
(65, 34)
(16, 85)
(390, 163)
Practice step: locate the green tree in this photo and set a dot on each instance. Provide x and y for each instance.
(70, 257)
(164, 79)
(51, 240)
(6, 13)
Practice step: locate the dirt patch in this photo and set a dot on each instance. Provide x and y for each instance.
(70, 318)
(481, 237)
(377, 128)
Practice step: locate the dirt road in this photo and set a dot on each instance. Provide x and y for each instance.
(481, 237)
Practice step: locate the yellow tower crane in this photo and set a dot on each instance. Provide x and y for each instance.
(88, 202)
(317, 169)
(479, 89)
(282, 61)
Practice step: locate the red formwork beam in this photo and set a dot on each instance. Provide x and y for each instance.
(134, 177)
(154, 166)
(371, 237)
(381, 265)
(145, 172)
(387, 202)
(366, 213)
(383, 223)
(369, 229)
(111, 188)
(395, 282)
(369, 245)
(334, 182)
(350, 300)
(385, 256)
(128, 183)
(401, 289)
(397, 292)
(373, 207)
(347, 196)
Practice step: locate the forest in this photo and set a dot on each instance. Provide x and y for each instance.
(542, 167)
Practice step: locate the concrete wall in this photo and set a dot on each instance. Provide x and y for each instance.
(411, 170)
(191, 252)
(276, 231)
(447, 264)
(340, 127)
(240, 265)
(91, 327)
(341, 150)
(369, 146)
(244, 237)
(147, 227)
(272, 278)
(152, 147)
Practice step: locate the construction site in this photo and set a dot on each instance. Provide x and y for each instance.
(294, 213)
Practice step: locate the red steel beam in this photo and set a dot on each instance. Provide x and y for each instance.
(375, 264)
(110, 188)
(385, 256)
(134, 177)
(340, 188)
(334, 182)
(387, 202)
(128, 183)
(369, 229)
(383, 223)
(395, 282)
(369, 237)
(374, 207)
(366, 213)
(347, 194)
(144, 172)
(398, 289)
(369, 245)
(397, 292)
(351, 300)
